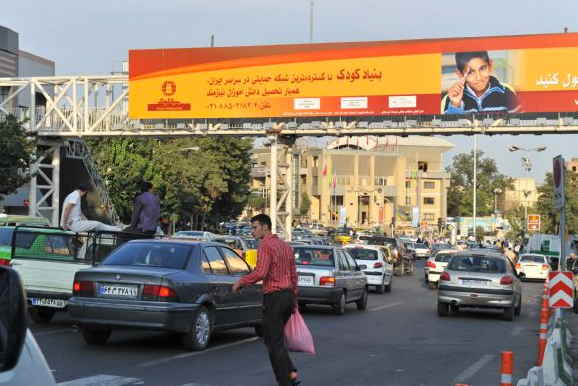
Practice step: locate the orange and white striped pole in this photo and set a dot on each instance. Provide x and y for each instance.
(507, 376)
(544, 315)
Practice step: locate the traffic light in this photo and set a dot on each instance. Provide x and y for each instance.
(393, 221)
(440, 223)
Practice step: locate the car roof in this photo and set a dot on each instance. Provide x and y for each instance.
(363, 246)
(176, 241)
(315, 246)
(481, 252)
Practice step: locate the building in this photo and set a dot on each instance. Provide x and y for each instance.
(15, 62)
(572, 165)
(367, 181)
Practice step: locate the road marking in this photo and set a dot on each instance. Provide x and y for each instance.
(190, 354)
(386, 306)
(52, 332)
(473, 369)
(516, 331)
(101, 380)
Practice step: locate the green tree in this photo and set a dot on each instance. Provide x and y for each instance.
(480, 233)
(550, 217)
(17, 149)
(460, 193)
(256, 201)
(305, 204)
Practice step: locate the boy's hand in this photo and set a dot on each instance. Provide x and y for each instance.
(456, 92)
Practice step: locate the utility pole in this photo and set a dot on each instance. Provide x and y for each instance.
(310, 21)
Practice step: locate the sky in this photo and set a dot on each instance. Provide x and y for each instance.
(89, 37)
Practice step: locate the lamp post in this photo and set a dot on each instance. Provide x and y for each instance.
(496, 192)
(527, 168)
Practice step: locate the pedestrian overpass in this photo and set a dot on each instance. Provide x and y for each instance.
(63, 111)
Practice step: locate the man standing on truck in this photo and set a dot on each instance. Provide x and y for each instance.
(147, 210)
(72, 217)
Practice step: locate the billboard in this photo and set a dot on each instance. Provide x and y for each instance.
(529, 73)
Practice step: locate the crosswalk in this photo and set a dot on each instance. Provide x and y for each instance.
(116, 380)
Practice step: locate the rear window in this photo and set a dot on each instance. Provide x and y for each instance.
(149, 254)
(6, 236)
(362, 254)
(314, 256)
(532, 259)
(443, 257)
(486, 264)
(420, 245)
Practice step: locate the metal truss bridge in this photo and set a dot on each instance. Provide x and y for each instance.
(64, 110)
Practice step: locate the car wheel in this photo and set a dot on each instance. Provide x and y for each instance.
(388, 286)
(431, 285)
(339, 307)
(380, 288)
(92, 336)
(426, 280)
(302, 307)
(454, 307)
(40, 314)
(575, 304)
(518, 309)
(443, 309)
(259, 330)
(509, 313)
(400, 270)
(410, 272)
(198, 337)
(362, 302)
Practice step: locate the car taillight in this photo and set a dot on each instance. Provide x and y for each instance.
(507, 280)
(432, 265)
(159, 293)
(395, 254)
(378, 265)
(5, 262)
(83, 288)
(545, 267)
(327, 280)
(518, 265)
(445, 276)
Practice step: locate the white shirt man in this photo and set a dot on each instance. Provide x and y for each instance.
(73, 218)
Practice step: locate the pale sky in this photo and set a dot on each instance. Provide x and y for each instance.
(85, 37)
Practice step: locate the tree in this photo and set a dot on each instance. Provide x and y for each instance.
(305, 204)
(550, 217)
(17, 149)
(460, 193)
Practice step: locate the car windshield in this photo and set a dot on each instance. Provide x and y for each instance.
(150, 254)
(6, 236)
(532, 259)
(468, 263)
(362, 254)
(314, 256)
(443, 257)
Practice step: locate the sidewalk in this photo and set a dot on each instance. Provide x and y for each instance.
(572, 320)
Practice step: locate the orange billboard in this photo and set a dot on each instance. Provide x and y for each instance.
(530, 73)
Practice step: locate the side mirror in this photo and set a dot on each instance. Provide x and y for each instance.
(12, 318)
(360, 267)
(521, 275)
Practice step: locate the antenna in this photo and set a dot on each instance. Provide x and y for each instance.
(310, 21)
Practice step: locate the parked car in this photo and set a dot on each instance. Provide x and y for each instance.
(329, 275)
(534, 266)
(421, 251)
(403, 259)
(165, 285)
(376, 263)
(197, 235)
(22, 362)
(482, 279)
(237, 243)
(437, 265)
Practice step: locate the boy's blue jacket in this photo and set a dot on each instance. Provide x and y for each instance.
(497, 98)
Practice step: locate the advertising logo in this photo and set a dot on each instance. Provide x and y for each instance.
(168, 103)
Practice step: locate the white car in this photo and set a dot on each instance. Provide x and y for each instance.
(437, 265)
(534, 266)
(421, 251)
(197, 235)
(377, 264)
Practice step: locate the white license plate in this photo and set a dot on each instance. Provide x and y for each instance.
(305, 280)
(480, 283)
(118, 290)
(54, 303)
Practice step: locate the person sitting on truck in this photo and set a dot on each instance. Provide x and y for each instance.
(72, 217)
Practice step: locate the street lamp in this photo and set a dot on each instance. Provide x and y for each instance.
(496, 192)
(527, 168)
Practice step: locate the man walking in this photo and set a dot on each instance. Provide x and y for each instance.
(72, 217)
(276, 267)
(147, 210)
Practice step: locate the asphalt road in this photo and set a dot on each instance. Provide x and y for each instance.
(398, 340)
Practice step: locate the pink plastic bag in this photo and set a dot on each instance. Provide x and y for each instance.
(297, 335)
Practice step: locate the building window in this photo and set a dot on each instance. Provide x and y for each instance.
(381, 181)
(429, 185)
(573, 168)
(422, 166)
(408, 201)
(315, 161)
(428, 201)
(428, 217)
(408, 184)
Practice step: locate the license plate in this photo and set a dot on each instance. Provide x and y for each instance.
(54, 303)
(305, 280)
(118, 291)
(480, 283)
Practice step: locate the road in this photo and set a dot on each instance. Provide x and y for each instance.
(398, 340)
